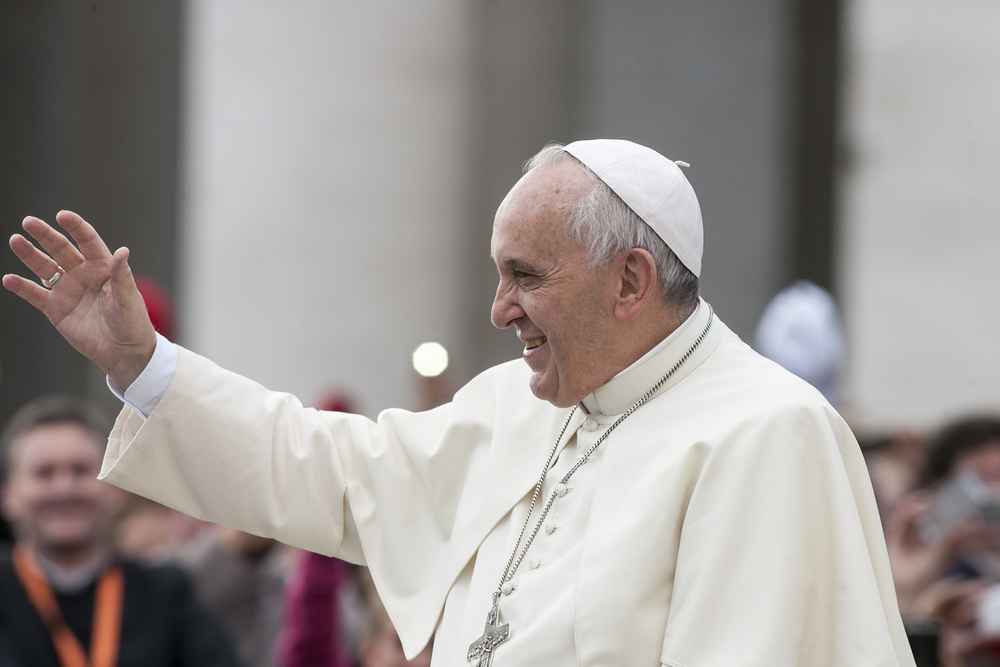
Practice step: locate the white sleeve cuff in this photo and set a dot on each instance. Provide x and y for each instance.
(145, 393)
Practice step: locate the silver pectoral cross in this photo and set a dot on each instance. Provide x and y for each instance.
(481, 650)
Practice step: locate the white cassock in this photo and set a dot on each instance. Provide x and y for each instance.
(727, 522)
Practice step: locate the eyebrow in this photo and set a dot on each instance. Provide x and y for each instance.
(520, 265)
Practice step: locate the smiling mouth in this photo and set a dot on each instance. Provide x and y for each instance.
(534, 342)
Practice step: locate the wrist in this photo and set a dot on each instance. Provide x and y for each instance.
(131, 363)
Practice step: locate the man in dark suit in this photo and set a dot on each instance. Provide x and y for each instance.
(66, 599)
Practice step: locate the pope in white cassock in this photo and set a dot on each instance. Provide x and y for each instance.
(641, 489)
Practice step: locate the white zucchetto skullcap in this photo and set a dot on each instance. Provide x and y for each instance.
(652, 186)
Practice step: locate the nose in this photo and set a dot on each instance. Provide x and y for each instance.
(65, 482)
(506, 309)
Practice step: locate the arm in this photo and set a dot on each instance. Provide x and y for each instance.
(222, 448)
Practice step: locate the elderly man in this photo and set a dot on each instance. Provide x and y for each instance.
(662, 494)
(65, 598)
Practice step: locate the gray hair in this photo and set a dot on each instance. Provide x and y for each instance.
(603, 224)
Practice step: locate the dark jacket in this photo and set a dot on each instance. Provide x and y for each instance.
(163, 624)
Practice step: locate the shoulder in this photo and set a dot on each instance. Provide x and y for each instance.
(738, 399)
(747, 381)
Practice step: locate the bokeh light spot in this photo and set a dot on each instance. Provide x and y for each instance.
(430, 359)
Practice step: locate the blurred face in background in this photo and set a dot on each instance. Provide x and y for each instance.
(984, 460)
(52, 494)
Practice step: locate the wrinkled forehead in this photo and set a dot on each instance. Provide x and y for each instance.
(540, 201)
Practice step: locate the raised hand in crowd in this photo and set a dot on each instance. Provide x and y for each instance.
(89, 294)
(916, 564)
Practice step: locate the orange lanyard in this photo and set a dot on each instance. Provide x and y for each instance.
(107, 613)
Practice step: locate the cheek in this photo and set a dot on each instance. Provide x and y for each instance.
(113, 499)
(10, 504)
(37, 491)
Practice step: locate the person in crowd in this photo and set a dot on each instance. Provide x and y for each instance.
(6, 535)
(944, 544)
(896, 463)
(66, 599)
(241, 578)
(334, 618)
(318, 614)
(153, 533)
(642, 489)
(800, 330)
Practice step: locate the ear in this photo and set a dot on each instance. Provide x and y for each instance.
(638, 284)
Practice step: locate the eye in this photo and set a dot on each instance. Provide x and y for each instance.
(45, 472)
(523, 276)
(528, 281)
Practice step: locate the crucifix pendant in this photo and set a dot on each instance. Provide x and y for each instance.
(481, 650)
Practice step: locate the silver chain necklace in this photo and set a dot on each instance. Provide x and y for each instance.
(495, 634)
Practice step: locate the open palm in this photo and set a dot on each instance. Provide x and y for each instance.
(93, 301)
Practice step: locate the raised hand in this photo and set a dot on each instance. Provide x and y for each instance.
(93, 300)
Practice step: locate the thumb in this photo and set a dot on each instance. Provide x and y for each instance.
(122, 282)
(128, 304)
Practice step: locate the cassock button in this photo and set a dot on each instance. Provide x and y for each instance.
(561, 490)
(533, 564)
(549, 527)
(590, 425)
(507, 588)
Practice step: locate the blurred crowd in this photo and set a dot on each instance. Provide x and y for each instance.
(93, 575)
(939, 498)
(194, 593)
(938, 495)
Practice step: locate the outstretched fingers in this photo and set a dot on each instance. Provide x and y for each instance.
(41, 264)
(54, 243)
(30, 291)
(91, 245)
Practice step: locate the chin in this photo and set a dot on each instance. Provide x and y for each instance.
(538, 388)
(66, 537)
(552, 396)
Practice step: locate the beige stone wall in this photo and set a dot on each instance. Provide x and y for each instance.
(323, 189)
(920, 210)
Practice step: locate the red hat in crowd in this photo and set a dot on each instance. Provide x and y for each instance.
(159, 305)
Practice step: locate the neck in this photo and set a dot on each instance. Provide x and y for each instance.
(69, 557)
(72, 574)
(655, 327)
(621, 391)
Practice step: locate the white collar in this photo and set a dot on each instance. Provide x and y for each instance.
(618, 394)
